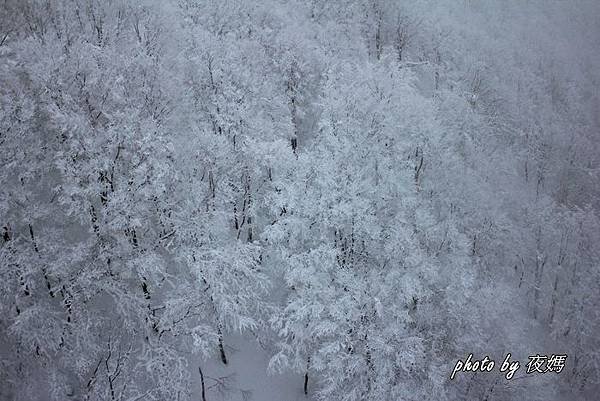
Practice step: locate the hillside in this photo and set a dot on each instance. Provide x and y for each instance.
(305, 200)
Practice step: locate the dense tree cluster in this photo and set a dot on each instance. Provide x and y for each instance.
(374, 188)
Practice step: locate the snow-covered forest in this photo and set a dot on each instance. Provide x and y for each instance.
(298, 200)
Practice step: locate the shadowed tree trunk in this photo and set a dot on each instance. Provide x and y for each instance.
(306, 377)
(306, 383)
(202, 383)
(221, 348)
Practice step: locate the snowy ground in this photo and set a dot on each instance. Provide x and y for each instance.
(245, 377)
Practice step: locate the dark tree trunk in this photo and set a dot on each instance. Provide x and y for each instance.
(306, 383)
(222, 350)
(202, 383)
